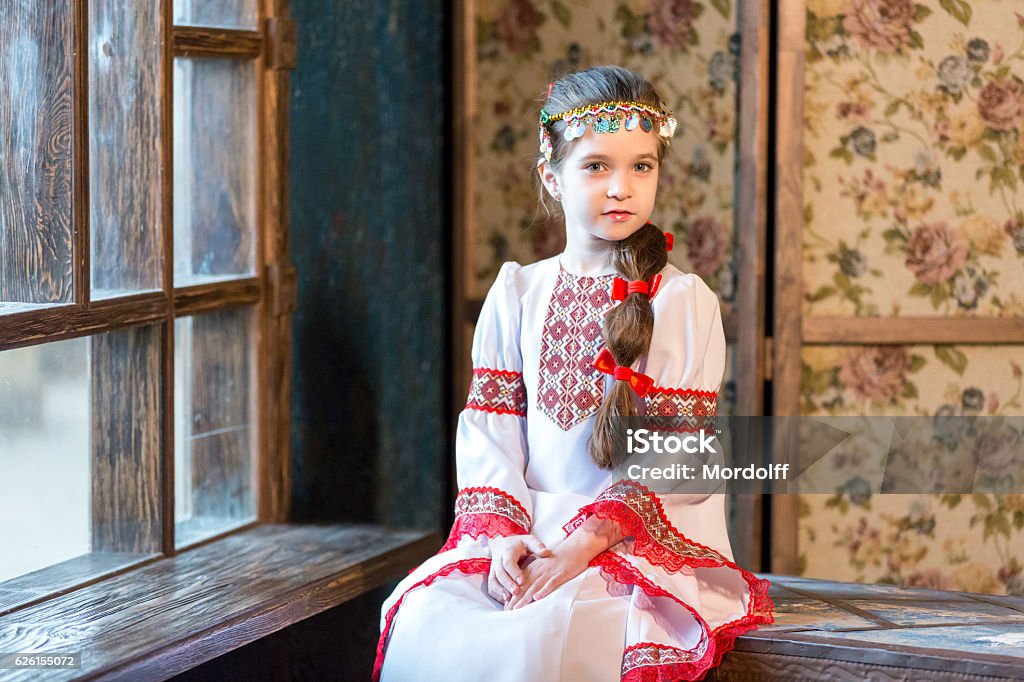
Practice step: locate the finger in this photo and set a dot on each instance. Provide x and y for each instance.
(506, 581)
(534, 544)
(514, 599)
(547, 588)
(511, 567)
(527, 596)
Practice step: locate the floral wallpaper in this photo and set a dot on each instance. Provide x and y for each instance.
(914, 113)
(687, 48)
(961, 542)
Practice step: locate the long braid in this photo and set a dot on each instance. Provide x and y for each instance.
(628, 326)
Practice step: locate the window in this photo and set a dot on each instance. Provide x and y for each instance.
(145, 287)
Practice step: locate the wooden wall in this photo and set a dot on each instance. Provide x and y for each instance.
(369, 222)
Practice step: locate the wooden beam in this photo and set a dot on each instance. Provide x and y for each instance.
(59, 322)
(195, 41)
(789, 169)
(908, 330)
(274, 461)
(216, 295)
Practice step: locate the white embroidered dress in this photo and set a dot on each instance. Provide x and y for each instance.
(665, 603)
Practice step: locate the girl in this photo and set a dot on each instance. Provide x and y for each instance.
(556, 568)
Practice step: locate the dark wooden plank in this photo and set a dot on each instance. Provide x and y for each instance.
(174, 614)
(789, 166)
(64, 322)
(953, 649)
(195, 41)
(227, 293)
(125, 472)
(37, 117)
(65, 577)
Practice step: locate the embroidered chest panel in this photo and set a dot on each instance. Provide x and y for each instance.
(569, 388)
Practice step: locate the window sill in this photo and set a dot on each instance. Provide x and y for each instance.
(175, 614)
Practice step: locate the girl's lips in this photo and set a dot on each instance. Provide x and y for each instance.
(619, 215)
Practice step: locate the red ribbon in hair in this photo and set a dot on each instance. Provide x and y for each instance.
(621, 288)
(640, 383)
(670, 240)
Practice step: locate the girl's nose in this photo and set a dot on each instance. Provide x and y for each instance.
(619, 186)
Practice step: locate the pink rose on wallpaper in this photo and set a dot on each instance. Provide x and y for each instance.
(707, 246)
(880, 24)
(935, 252)
(671, 22)
(877, 373)
(1001, 104)
(518, 21)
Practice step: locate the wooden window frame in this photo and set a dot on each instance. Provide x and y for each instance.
(270, 292)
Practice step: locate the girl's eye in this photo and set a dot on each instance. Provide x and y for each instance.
(643, 166)
(594, 167)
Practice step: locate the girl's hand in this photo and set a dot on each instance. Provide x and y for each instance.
(569, 558)
(505, 577)
(544, 575)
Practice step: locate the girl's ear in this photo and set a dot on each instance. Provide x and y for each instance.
(549, 178)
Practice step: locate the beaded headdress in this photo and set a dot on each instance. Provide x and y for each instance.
(605, 117)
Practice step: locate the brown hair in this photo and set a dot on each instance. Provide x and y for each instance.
(628, 326)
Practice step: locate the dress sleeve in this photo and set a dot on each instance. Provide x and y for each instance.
(490, 443)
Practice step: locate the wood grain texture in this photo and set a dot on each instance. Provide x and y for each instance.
(751, 233)
(281, 277)
(126, 416)
(195, 41)
(61, 578)
(786, 324)
(172, 615)
(217, 295)
(125, 157)
(37, 120)
(906, 330)
(66, 322)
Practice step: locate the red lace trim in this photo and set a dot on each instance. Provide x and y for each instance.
(654, 662)
(639, 513)
(486, 511)
(497, 390)
(467, 566)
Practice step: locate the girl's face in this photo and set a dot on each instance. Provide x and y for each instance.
(607, 183)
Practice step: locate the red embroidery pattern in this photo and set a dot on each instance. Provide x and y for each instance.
(467, 566)
(495, 390)
(680, 402)
(653, 662)
(486, 511)
(570, 389)
(640, 514)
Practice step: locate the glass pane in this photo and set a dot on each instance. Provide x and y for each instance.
(79, 456)
(214, 424)
(230, 13)
(214, 169)
(35, 154)
(124, 146)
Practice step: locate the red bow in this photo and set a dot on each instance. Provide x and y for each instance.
(621, 288)
(670, 240)
(640, 383)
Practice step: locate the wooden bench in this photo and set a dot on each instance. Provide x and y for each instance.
(848, 631)
(175, 614)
